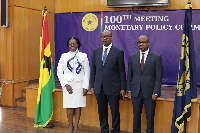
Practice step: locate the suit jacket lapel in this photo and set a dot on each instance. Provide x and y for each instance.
(110, 54)
(99, 54)
(138, 60)
(149, 56)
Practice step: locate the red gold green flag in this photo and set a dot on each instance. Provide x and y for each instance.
(44, 110)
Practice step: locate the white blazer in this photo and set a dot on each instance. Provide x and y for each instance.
(65, 75)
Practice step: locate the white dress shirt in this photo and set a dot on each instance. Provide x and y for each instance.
(145, 55)
(108, 50)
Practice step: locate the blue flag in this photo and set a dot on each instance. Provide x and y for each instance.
(186, 89)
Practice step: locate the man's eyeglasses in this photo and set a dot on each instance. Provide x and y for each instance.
(142, 42)
(74, 44)
(105, 36)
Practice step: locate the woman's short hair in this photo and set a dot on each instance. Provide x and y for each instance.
(77, 40)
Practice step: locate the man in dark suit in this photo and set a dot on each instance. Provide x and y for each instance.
(108, 81)
(144, 82)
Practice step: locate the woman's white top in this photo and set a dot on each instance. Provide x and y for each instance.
(77, 81)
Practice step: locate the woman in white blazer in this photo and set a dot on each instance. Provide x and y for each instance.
(74, 72)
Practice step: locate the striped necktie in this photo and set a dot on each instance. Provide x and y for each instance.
(105, 56)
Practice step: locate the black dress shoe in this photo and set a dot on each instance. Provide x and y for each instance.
(49, 125)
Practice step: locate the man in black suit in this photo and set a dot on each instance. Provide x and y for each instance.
(144, 82)
(108, 81)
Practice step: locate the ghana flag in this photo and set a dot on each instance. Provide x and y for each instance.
(44, 110)
(186, 90)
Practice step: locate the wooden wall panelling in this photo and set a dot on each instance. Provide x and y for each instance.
(20, 43)
(83, 6)
(10, 2)
(59, 113)
(173, 4)
(3, 51)
(27, 27)
(7, 95)
(20, 49)
(9, 44)
(36, 4)
(90, 118)
(59, 8)
(6, 50)
(192, 126)
(164, 112)
(6, 60)
(199, 122)
(198, 100)
(195, 4)
(88, 7)
(101, 5)
(31, 102)
(180, 4)
(167, 106)
(18, 88)
(89, 115)
(126, 112)
(34, 26)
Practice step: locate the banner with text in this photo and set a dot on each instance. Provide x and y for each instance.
(164, 28)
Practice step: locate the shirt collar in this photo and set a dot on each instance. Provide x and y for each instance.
(73, 53)
(145, 52)
(109, 47)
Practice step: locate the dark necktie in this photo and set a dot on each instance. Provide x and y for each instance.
(105, 56)
(142, 62)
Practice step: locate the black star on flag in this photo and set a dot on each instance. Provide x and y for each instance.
(47, 63)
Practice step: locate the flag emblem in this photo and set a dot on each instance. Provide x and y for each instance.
(90, 22)
(44, 110)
